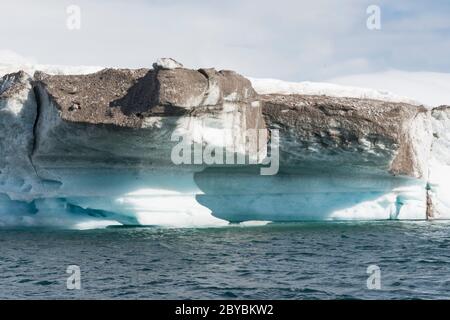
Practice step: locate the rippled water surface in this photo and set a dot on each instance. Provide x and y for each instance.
(278, 261)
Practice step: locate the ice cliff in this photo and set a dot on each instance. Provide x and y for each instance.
(98, 149)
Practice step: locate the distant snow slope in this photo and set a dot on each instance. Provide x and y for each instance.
(430, 88)
(12, 62)
(268, 86)
(50, 69)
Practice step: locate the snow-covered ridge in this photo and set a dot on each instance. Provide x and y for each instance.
(273, 86)
(50, 69)
(11, 62)
(262, 86)
(430, 88)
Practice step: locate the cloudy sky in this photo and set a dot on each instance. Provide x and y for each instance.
(286, 39)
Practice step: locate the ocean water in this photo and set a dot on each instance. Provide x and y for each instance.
(276, 261)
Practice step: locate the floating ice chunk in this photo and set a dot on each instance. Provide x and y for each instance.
(95, 224)
(254, 223)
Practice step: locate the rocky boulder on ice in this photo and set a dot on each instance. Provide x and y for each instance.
(166, 63)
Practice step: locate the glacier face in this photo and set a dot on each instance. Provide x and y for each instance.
(86, 151)
(18, 111)
(439, 172)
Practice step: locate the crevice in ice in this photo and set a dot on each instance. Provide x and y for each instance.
(208, 81)
(35, 128)
(45, 183)
(429, 214)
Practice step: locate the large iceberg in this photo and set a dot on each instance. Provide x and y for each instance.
(108, 148)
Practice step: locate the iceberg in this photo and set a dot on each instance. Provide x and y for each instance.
(95, 149)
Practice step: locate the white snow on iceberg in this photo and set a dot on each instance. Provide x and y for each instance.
(273, 86)
(429, 88)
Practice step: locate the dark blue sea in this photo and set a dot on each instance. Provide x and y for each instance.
(277, 261)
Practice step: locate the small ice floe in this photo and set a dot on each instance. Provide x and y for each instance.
(254, 223)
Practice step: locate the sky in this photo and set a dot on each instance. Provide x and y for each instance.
(292, 40)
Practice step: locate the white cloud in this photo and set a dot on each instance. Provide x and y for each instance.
(288, 39)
